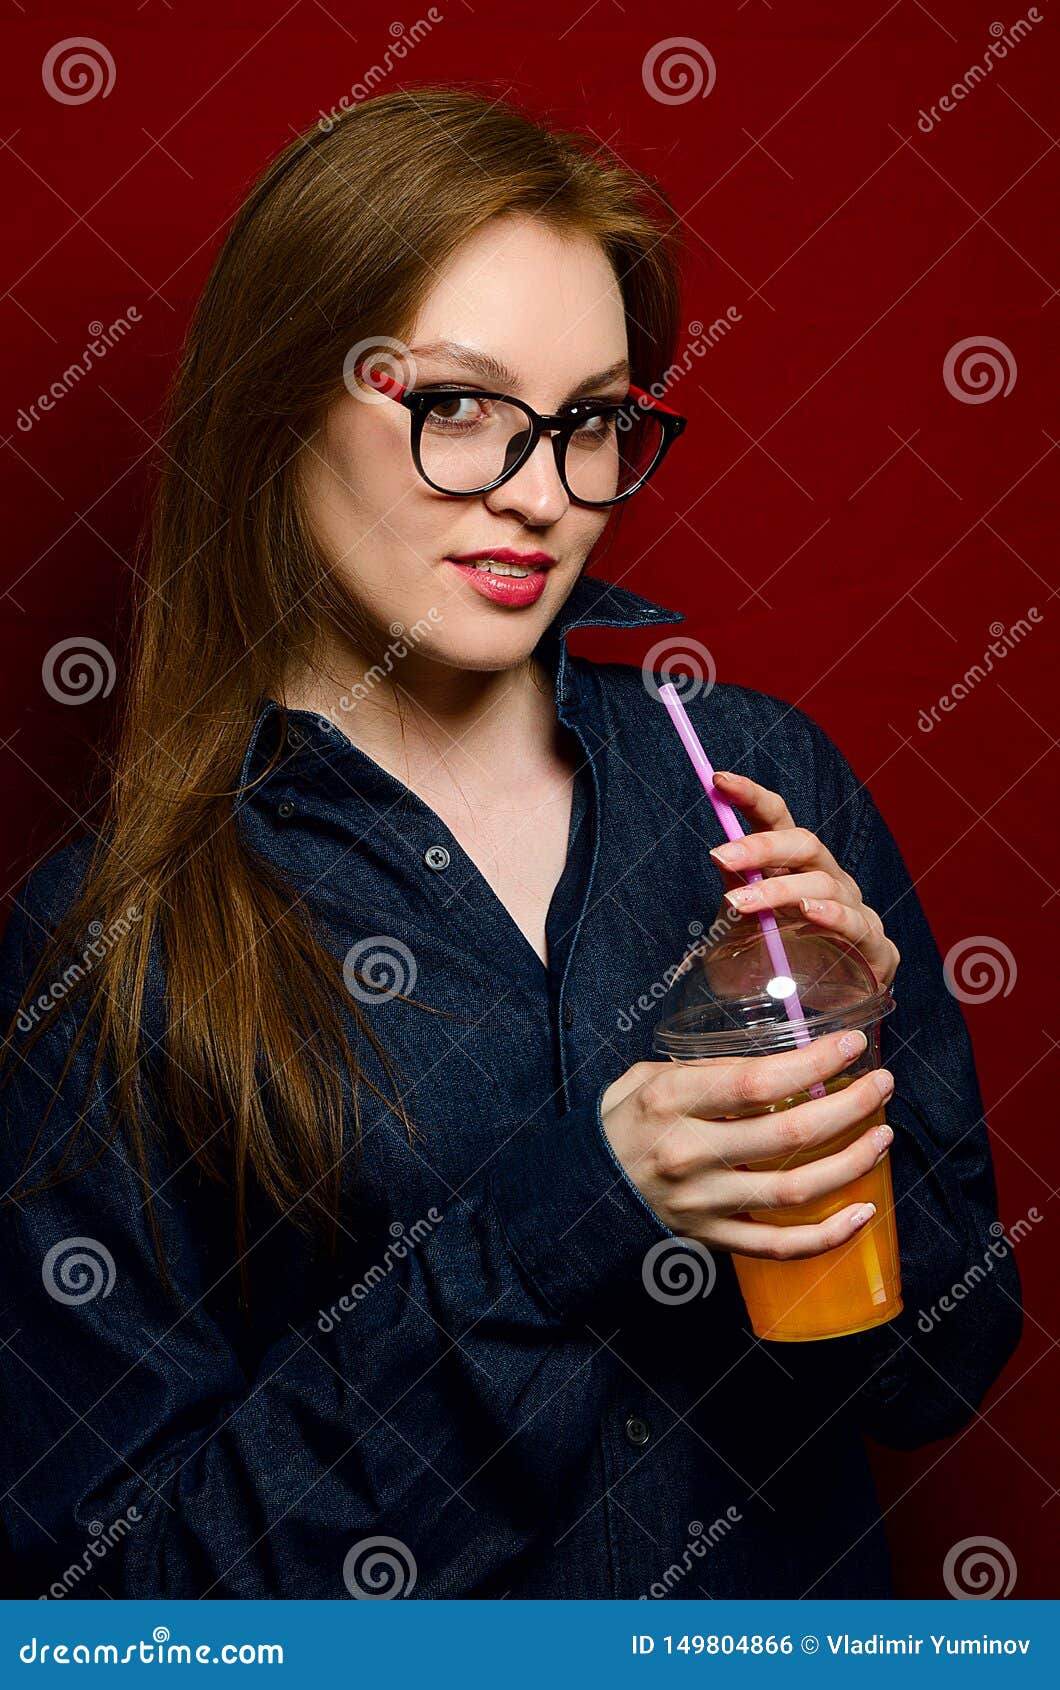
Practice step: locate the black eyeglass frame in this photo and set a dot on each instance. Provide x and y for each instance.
(560, 427)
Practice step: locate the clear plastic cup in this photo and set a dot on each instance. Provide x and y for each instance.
(726, 999)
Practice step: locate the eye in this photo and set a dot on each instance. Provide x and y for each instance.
(459, 410)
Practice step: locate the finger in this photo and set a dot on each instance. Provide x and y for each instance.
(713, 1086)
(791, 1188)
(804, 1127)
(762, 807)
(790, 1243)
(784, 849)
(862, 927)
(784, 889)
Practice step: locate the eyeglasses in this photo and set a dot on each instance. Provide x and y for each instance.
(465, 441)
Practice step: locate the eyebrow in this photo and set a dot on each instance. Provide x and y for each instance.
(492, 369)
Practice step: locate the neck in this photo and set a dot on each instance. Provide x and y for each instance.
(432, 724)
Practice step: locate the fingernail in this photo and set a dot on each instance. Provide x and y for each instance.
(851, 1043)
(884, 1082)
(810, 904)
(731, 856)
(724, 774)
(882, 1136)
(865, 1213)
(742, 895)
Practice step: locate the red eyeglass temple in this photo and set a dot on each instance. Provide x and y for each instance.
(386, 384)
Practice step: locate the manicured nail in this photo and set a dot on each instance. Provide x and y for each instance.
(724, 774)
(882, 1136)
(851, 1043)
(865, 1213)
(811, 905)
(884, 1082)
(730, 856)
(741, 896)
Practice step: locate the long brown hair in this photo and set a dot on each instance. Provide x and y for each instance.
(339, 240)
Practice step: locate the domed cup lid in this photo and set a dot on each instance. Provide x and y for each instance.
(727, 999)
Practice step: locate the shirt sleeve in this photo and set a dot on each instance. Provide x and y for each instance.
(441, 1413)
(922, 1375)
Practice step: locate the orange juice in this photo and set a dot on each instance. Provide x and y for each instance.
(847, 1289)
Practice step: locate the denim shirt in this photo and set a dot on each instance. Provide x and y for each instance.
(480, 1390)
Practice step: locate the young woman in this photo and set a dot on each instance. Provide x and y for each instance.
(333, 1157)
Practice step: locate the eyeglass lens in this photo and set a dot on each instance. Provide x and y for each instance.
(468, 441)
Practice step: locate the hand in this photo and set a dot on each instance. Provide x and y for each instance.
(669, 1125)
(820, 890)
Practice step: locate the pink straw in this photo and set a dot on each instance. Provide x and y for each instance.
(730, 821)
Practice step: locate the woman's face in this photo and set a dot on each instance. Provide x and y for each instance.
(548, 309)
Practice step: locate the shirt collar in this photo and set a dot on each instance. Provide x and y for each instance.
(591, 603)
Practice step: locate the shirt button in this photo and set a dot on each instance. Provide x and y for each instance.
(285, 809)
(637, 1430)
(436, 856)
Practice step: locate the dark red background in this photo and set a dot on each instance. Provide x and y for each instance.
(840, 529)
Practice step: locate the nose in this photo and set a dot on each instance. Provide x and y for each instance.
(535, 493)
